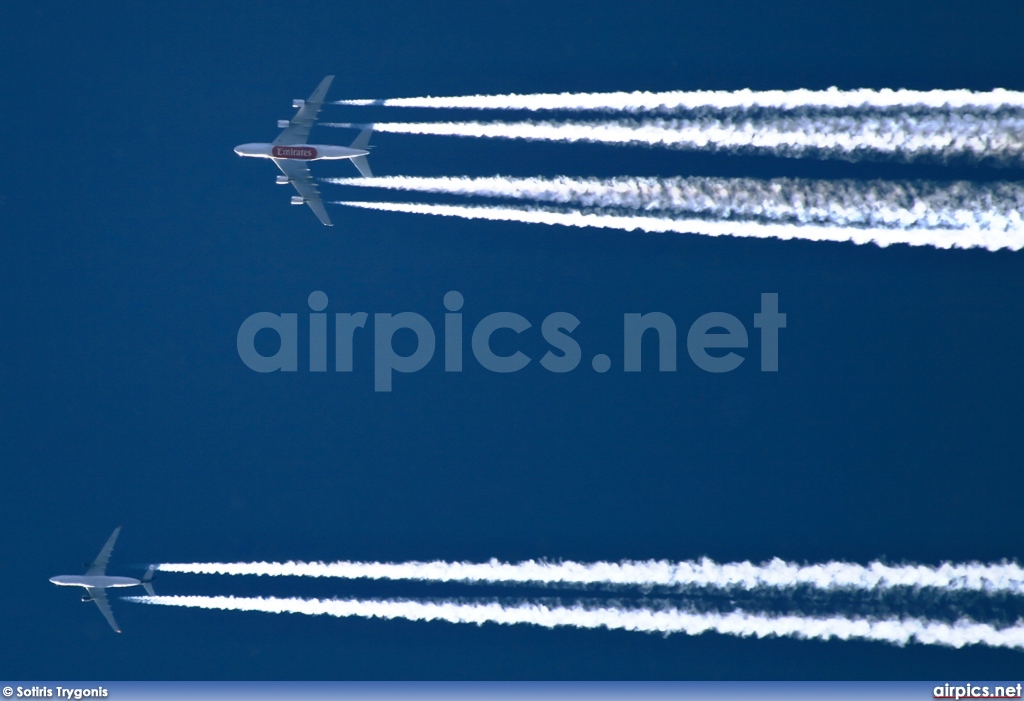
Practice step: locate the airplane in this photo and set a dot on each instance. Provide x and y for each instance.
(289, 151)
(96, 581)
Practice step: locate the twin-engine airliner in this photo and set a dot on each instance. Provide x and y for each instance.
(96, 581)
(289, 151)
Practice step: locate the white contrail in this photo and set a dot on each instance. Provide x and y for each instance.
(898, 631)
(853, 137)
(871, 203)
(970, 576)
(940, 238)
(632, 102)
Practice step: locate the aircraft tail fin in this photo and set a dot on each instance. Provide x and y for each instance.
(147, 580)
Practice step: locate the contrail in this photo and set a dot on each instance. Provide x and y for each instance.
(633, 102)
(872, 203)
(850, 137)
(898, 631)
(777, 573)
(939, 238)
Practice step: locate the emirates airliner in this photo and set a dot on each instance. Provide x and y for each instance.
(290, 152)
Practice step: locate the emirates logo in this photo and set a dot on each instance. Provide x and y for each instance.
(305, 152)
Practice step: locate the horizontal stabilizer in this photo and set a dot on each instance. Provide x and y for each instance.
(147, 580)
(363, 140)
(363, 165)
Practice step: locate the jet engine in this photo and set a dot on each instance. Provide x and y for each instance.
(86, 599)
(298, 200)
(297, 104)
(283, 123)
(282, 180)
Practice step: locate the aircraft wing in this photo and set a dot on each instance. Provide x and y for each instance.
(99, 565)
(298, 130)
(100, 597)
(299, 176)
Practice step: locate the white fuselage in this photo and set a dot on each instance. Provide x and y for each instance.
(299, 152)
(94, 581)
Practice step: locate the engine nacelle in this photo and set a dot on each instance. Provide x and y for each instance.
(282, 180)
(86, 599)
(297, 104)
(298, 200)
(283, 123)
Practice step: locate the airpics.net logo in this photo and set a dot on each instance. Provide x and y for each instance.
(714, 341)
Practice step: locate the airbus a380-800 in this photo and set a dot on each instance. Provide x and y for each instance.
(96, 581)
(290, 152)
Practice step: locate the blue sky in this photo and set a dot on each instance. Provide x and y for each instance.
(137, 243)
